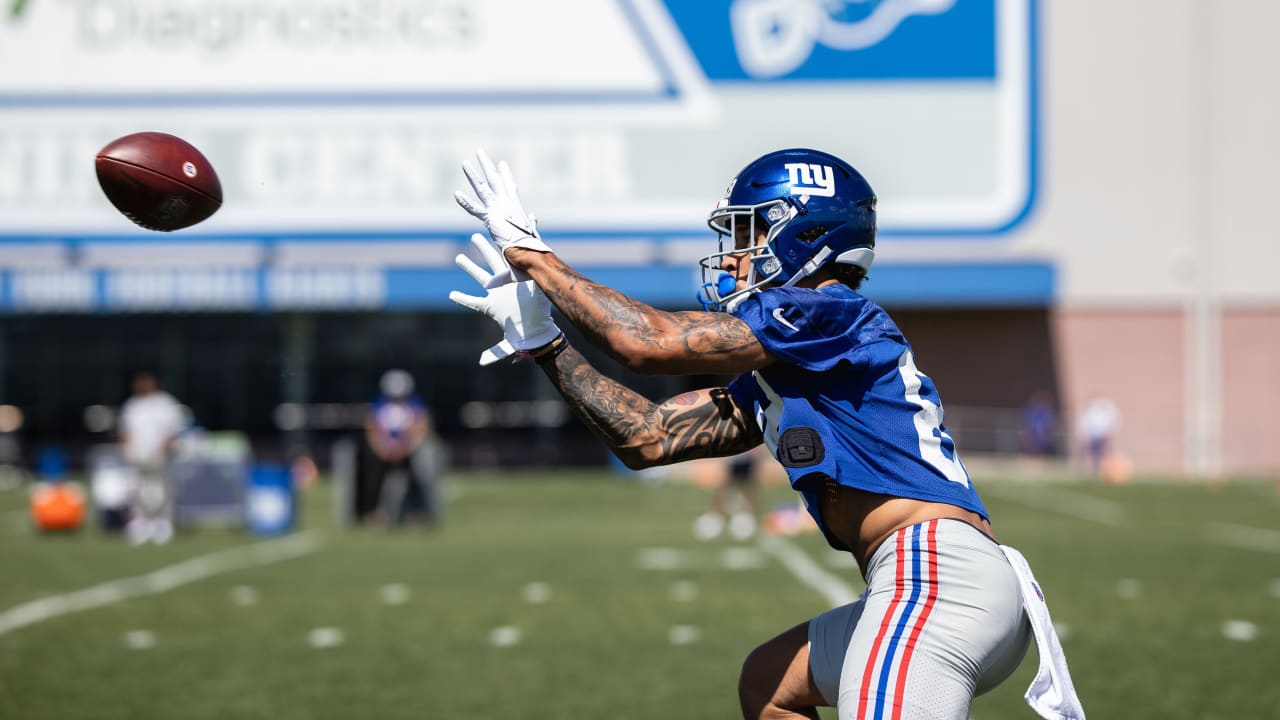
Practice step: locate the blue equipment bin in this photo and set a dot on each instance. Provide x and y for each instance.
(270, 503)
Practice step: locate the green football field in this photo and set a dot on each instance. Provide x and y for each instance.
(580, 595)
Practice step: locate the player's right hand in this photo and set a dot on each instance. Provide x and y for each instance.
(497, 204)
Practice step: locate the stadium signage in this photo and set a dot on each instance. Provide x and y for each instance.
(350, 116)
(225, 28)
(76, 291)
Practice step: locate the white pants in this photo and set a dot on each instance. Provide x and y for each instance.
(941, 621)
(152, 496)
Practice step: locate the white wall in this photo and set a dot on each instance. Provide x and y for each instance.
(1158, 149)
(1157, 196)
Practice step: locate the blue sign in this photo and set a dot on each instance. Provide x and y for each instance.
(780, 40)
(640, 273)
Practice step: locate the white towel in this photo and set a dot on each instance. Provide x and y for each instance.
(1051, 693)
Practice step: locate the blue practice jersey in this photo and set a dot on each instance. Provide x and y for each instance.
(394, 416)
(847, 401)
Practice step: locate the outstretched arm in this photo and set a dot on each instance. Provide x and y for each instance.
(639, 336)
(642, 433)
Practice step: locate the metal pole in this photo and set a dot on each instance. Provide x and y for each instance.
(1203, 312)
(299, 351)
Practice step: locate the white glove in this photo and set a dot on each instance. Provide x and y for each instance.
(520, 308)
(497, 205)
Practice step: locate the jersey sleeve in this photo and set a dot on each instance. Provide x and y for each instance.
(743, 392)
(816, 330)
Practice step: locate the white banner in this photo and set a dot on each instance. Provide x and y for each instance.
(351, 116)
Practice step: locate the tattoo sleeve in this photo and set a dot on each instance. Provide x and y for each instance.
(642, 433)
(642, 337)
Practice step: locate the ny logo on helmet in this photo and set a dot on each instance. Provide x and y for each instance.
(812, 179)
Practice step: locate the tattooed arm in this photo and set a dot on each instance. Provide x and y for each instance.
(643, 338)
(642, 433)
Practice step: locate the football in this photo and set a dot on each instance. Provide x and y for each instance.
(159, 181)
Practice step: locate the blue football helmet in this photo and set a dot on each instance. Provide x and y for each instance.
(811, 208)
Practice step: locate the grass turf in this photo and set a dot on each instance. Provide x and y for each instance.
(1142, 576)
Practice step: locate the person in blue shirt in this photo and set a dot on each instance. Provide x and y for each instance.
(826, 380)
(398, 431)
(1039, 425)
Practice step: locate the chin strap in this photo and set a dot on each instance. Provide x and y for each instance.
(860, 256)
(810, 267)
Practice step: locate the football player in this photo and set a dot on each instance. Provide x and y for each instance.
(827, 381)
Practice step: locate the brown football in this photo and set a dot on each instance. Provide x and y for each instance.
(159, 181)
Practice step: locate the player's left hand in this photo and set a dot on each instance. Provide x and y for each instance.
(497, 205)
(520, 308)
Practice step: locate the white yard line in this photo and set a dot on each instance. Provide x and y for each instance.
(806, 570)
(1244, 537)
(158, 581)
(1060, 501)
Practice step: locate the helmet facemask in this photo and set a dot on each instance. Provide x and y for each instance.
(738, 228)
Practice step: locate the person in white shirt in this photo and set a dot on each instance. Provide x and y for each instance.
(150, 422)
(1097, 426)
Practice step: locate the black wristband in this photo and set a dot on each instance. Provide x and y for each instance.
(559, 345)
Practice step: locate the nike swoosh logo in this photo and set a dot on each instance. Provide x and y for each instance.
(521, 228)
(777, 315)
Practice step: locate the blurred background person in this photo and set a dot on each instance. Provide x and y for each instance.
(737, 481)
(1096, 428)
(12, 467)
(401, 473)
(150, 423)
(1040, 426)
